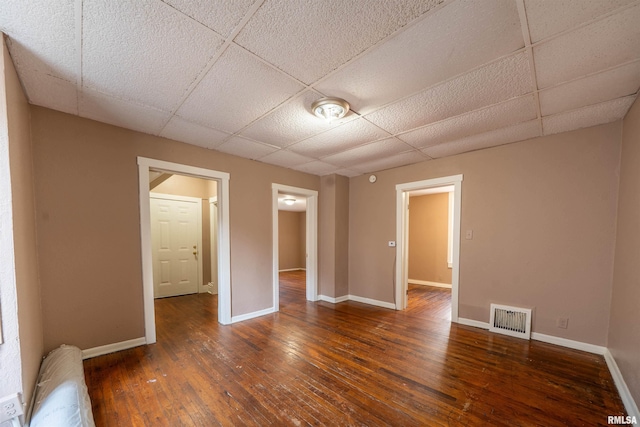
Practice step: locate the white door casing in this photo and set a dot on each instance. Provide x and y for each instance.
(213, 220)
(176, 240)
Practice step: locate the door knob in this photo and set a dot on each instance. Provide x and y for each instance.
(195, 250)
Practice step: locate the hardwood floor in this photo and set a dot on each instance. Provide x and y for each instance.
(343, 364)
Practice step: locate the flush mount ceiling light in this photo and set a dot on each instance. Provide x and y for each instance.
(330, 108)
(289, 201)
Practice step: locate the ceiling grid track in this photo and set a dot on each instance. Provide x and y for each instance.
(526, 35)
(78, 34)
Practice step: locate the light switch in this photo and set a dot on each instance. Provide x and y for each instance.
(469, 235)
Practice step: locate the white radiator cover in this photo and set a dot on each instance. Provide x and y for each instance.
(512, 321)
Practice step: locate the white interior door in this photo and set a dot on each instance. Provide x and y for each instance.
(175, 236)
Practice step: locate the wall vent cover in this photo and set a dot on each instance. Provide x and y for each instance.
(512, 321)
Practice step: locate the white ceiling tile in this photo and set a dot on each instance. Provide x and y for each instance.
(348, 173)
(237, 90)
(221, 16)
(590, 90)
(519, 132)
(549, 17)
(285, 159)
(192, 133)
(457, 38)
(601, 45)
(51, 92)
(245, 148)
(504, 79)
(368, 152)
(101, 107)
(588, 116)
(389, 162)
(314, 38)
(144, 51)
(338, 139)
(292, 122)
(479, 121)
(42, 36)
(317, 168)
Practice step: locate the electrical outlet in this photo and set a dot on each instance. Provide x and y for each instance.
(562, 322)
(10, 407)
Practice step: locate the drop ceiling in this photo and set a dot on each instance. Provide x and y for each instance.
(425, 78)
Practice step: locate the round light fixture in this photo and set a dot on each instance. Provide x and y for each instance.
(330, 108)
(289, 201)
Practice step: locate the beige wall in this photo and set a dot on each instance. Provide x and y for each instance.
(291, 240)
(543, 213)
(333, 239)
(29, 338)
(89, 232)
(624, 327)
(179, 185)
(429, 238)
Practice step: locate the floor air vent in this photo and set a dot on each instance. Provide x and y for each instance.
(512, 321)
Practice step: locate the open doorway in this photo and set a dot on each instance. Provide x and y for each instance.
(310, 200)
(403, 194)
(292, 248)
(145, 166)
(429, 251)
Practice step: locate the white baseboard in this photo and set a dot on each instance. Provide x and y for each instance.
(576, 345)
(252, 315)
(292, 269)
(112, 348)
(621, 385)
(474, 323)
(427, 283)
(332, 299)
(370, 301)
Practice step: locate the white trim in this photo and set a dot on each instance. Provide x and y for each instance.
(311, 239)
(474, 323)
(252, 315)
(212, 287)
(198, 202)
(621, 385)
(224, 256)
(370, 301)
(112, 348)
(576, 345)
(292, 269)
(401, 274)
(333, 300)
(428, 283)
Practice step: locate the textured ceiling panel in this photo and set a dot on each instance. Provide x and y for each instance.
(479, 121)
(549, 17)
(237, 90)
(43, 36)
(192, 133)
(504, 79)
(51, 92)
(292, 122)
(221, 16)
(347, 172)
(317, 168)
(389, 162)
(349, 135)
(245, 148)
(590, 90)
(103, 108)
(368, 152)
(455, 39)
(601, 45)
(316, 37)
(519, 132)
(286, 159)
(144, 51)
(588, 116)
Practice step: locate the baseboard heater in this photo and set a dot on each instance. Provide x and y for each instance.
(512, 321)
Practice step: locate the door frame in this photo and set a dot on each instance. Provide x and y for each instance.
(224, 254)
(311, 240)
(402, 228)
(213, 238)
(198, 202)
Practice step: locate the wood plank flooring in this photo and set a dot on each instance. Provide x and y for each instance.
(343, 364)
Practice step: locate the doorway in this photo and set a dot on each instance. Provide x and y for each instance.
(403, 192)
(311, 239)
(223, 246)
